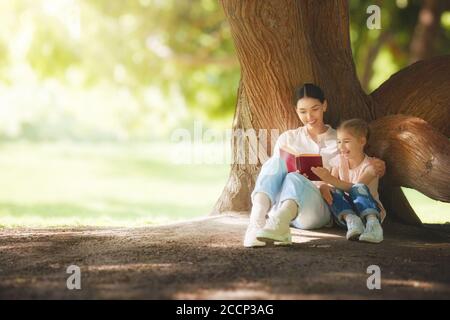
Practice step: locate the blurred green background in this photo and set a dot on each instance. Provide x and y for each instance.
(91, 92)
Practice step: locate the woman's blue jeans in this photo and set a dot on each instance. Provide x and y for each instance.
(279, 185)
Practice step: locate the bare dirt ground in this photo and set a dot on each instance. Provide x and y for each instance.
(204, 259)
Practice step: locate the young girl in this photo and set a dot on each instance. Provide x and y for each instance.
(352, 185)
(281, 199)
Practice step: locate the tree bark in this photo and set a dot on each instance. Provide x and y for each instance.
(283, 44)
(236, 194)
(425, 154)
(417, 156)
(421, 90)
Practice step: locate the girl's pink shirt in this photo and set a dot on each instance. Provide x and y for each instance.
(353, 175)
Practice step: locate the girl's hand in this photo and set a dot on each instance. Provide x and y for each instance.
(322, 173)
(379, 166)
(325, 190)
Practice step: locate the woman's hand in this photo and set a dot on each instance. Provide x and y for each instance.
(379, 166)
(325, 190)
(322, 173)
(303, 174)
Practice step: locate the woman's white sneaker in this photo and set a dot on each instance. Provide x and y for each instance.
(355, 226)
(250, 236)
(276, 230)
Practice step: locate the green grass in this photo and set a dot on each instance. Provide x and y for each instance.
(58, 184)
(102, 185)
(428, 210)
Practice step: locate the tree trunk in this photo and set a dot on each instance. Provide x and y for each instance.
(280, 45)
(235, 196)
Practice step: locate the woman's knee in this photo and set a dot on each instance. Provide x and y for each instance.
(274, 166)
(296, 177)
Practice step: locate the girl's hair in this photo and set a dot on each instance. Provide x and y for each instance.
(358, 127)
(308, 90)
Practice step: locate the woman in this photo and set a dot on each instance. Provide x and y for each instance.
(290, 197)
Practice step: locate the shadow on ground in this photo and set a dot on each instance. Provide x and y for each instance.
(204, 259)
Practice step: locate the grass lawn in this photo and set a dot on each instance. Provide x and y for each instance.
(57, 184)
(102, 185)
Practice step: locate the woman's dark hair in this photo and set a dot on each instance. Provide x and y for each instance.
(308, 90)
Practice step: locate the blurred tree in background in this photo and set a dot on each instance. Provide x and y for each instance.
(407, 26)
(101, 70)
(137, 69)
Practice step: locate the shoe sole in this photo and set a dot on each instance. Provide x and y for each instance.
(354, 237)
(270, 241)
(281, 244)
(370, 240)
(255, 245)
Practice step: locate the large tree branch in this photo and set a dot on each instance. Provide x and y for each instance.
(417, 155)
(421, 90)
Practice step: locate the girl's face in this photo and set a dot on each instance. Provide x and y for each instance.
(310, 111)
(349, 145)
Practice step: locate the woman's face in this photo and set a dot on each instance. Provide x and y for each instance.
(310, 112)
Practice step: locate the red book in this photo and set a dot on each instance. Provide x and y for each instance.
(301, 162)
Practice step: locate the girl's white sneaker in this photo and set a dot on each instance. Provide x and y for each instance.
(373, 232)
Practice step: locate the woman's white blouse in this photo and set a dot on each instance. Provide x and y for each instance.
(300, 141)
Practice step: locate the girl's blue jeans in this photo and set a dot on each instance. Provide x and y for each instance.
(358, 201)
